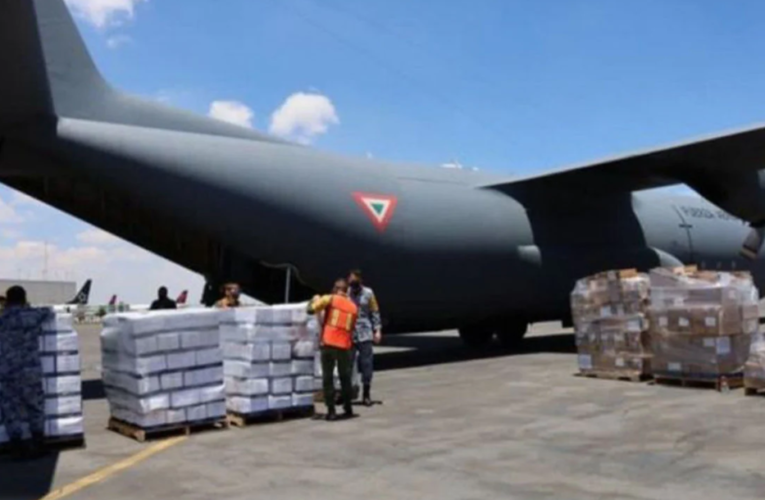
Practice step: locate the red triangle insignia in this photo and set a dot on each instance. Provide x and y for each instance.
(379, 207)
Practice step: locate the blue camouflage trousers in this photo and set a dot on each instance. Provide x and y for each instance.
(22, 400)
(365, 360)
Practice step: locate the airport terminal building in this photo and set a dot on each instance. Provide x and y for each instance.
(43, 292)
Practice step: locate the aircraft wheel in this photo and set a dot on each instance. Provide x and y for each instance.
(476, 338)
(511, 333)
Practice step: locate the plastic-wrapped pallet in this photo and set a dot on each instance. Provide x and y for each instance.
(163, 367)
(702, 323)
(754, 369)
(608, 310)
(61, 380)
(268, 356)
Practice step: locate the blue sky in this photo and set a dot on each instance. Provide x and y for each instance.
(505, 85)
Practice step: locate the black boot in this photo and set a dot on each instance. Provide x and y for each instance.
(348, 410)
(331, 415)
(367, 401)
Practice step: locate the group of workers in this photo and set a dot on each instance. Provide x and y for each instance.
(350, 325)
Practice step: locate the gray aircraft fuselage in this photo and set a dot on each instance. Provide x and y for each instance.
(455, 249)
(452, 254)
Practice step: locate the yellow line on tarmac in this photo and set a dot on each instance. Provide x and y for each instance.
(113, 469)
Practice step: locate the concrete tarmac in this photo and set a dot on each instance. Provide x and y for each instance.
(452, 426)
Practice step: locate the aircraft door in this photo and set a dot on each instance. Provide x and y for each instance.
(685, 240)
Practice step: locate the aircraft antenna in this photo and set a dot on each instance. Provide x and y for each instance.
(45, 262)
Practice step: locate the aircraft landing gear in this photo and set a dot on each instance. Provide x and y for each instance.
(510, 334)
(476, 337)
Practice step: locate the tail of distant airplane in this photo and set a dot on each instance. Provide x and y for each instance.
(182, 297)
(113, 301)
(81, 299)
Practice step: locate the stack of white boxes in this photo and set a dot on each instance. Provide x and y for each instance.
(164, 367)
(62, 379)
(268, 356)
(62, 382)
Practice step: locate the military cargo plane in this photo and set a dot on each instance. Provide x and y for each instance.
(443, 248)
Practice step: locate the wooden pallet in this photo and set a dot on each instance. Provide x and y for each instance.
(58, 443)
(269, 416)
(715, 382)
(627, 377)
(143, 434)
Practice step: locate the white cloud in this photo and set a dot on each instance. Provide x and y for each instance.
(101, 13)
(123, 269)
(233, 112)
(97, 237)
(114, 265)
(303, 116)
(9, 214)
(11, 234)
(117, 41)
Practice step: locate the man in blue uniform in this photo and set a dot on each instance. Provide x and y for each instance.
(368, 330)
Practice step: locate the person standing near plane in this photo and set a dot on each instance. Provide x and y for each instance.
(21, 386)
(340, 314)
(368, 330)
(231, 292)
(163, 301)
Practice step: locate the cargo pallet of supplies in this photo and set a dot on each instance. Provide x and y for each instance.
(59, 356)
(612, 341)
(754, 370)
(268, 356)
(702, 325)
(163, 372)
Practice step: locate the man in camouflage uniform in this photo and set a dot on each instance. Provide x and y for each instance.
(21, 391)
(368, 330)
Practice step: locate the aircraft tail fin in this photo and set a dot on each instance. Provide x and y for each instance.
(83, 295)
(113, 300)
(46, 67)
(47, 72)
(182, 297)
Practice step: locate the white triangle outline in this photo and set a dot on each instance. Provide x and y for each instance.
(368, 201)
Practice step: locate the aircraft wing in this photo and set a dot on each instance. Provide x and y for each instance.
(702, 164)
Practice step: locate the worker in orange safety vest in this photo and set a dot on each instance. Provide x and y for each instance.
(340, 314)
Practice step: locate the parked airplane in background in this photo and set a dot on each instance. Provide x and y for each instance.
(79, 301)
(112, 304)
(443, 248)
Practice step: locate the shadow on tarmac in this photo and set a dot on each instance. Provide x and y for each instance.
(27, 479)
(93, 389)
(426, 350)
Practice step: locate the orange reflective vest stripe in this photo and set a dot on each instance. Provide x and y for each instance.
(339, 322)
